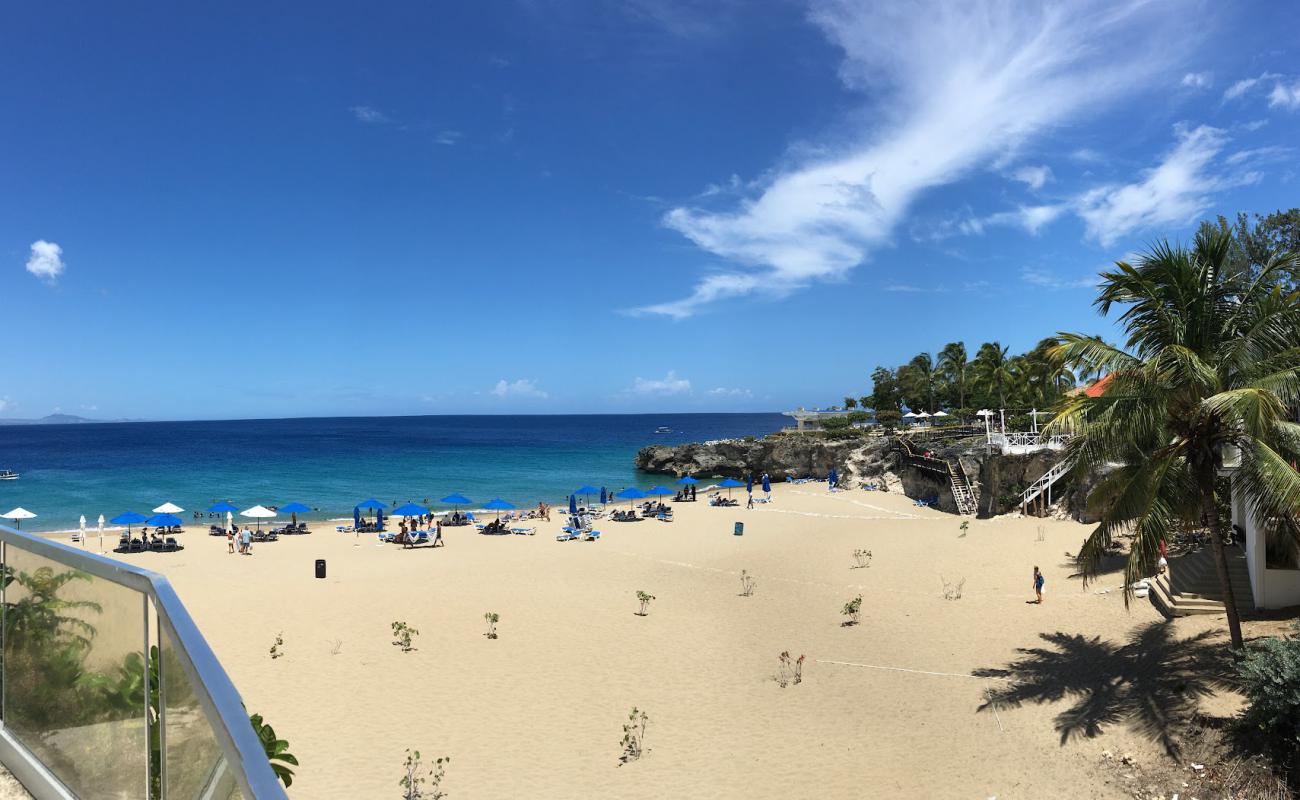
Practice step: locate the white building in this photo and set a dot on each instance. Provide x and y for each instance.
(811, 420)
(1272, 556)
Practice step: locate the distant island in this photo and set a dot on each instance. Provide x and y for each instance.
(58, 419)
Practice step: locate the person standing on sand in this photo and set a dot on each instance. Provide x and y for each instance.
(230, 540)
(1038, 587)
(750, 503)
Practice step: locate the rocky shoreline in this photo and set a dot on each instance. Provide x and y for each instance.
(997, 480)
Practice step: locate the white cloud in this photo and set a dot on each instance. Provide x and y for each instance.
(725, 392)
(1048, 280)
(1086, 155)
(669, 384)
(1031, 218)
(955, 87)
(903, 287)
(1198, 80)
(1284, 96)
(46, 261)
(448, 137)
(368, 115)
(4, 404)
(1033, 177)
(524, 387)
(1244, 85)
(1173, 192)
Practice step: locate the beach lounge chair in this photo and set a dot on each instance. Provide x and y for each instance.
(523, 531)
(171, 545)
(568, 535)
(591, 536)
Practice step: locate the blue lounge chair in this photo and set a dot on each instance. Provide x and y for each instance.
(568, 535)
(591, 536)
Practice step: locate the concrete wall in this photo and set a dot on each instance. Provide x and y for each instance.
(1273, 588)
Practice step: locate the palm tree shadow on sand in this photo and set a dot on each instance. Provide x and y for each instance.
(1153, 682)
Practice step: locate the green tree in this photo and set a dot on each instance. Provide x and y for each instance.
(850, 403)
(953, 366)
(1211, 362)
(920, 382)
(885, 392)
(992, 370)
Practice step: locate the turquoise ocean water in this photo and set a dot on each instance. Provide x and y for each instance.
(332, 464)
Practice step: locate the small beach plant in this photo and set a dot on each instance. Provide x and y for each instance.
(861, 559)
(336, 646)
(413, 780)
(791, 669)
(491, 618)
(746, 584)
(965, 526)
(634, 735)
(644, 598)
(403, 634)
(952, 589)
(1042, 534)
(852, 610)
(276, 648)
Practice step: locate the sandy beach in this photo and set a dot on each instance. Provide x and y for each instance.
(890, 706)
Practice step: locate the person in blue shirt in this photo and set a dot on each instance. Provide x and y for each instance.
(1038, 587)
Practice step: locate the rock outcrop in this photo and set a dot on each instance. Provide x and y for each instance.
(865, 460)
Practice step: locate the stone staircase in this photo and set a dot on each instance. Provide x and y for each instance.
(1191, 586)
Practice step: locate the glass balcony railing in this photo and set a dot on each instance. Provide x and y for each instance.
(107, 688)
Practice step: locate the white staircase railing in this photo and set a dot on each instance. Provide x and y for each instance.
(1044, 484)
(961, 491)
(1022, 442)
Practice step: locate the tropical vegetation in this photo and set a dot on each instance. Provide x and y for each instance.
(1209, 370)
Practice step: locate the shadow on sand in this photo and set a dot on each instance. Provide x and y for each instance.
(1153, 682)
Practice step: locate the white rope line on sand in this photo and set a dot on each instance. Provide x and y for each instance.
(834, 496)
(827, 585)
(842, 516)
(914, 671)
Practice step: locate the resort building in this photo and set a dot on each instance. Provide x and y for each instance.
(1272, 552)
(806, 420)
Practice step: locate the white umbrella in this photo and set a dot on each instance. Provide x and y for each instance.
(168, 508)
(17, 515)
(259, 513)
(230, 521)
(82, 537)
(101, 533)
(941, 413)
(909, 414)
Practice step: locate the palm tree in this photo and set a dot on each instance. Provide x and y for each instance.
(1211, 364)
(953, 366)
(920, 378)
(850, 403)
(992, 369)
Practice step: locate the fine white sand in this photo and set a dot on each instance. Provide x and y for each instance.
(886, 708)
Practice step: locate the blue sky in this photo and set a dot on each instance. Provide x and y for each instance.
(542, 206)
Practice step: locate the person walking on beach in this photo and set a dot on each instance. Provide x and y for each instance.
(750, 503)
(246, 542)
(437, 535)
(1038, 588)
(230, 540)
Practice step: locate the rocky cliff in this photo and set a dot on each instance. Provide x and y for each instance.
(865, 460)
(997, 480)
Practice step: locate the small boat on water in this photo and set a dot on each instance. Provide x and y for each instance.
(8, 475)
(663, 429)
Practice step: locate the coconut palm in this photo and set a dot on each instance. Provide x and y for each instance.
(954, 366)
(992, 370)
(1210, 363)
(921, 380)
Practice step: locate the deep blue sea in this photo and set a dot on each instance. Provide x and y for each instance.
(332, 464)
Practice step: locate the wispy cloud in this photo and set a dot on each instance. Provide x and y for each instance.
(1285, 96)
(46, 261)
(369, 115)
(523, 387)
(1031, 218)
(1244, 85)
(1049, 280)
(670, 384)
(1033, 177)
(723, 391)
(1175, 191)
(1198, 80)
(958, 86)
(448, 137)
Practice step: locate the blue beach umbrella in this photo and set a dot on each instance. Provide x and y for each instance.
(833, 478)
(631, 493)
(410, 510)
(356, 517)
(767, 484)
(749, 483)
(729, 484)
(379, 518)
(498, 505)
(660, 491)
(220, 508)
(371, 505)
(587, 492)
(456, 500)
(686, 480)
(573, 504)
(128, 519)
(294, 509)
(604, 496)
(163, 520)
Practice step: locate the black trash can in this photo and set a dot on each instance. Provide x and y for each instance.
(320, 568)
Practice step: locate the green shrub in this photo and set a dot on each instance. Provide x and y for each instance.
(888, 417)
(1270, 676)
(835, 423)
